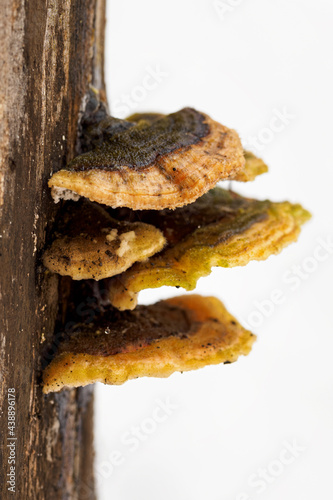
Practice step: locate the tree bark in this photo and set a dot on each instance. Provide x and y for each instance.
(50, 53)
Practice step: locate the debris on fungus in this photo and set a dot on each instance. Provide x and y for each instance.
(152, 162)
(164, 223)
(220, 229)
(179, 334)
(89, 244)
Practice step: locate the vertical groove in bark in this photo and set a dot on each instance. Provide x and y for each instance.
(51, 52)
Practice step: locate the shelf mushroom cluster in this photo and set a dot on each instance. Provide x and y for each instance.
(146, 212)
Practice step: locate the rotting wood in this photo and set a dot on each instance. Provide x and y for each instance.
(50, 53)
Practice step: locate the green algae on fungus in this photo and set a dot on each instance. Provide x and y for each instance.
(180, 334)
(220, 229)
(152, 163)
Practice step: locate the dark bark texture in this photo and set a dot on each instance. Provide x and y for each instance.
(51, 51)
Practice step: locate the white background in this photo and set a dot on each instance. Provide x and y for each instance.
(242, 62)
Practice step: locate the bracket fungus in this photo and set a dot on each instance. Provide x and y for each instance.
(89, 244)
(179, 334)
(163, 223)
(220, 229)
(254, 166)
(152, 162)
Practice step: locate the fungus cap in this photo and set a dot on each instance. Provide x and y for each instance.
(89, 244)
(153, 162)
(221, 229)
(254, 166)
(179, 334)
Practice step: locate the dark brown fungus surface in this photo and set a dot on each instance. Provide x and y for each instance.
(152, 162)
(221, 229)
(180, 334)
(89, 244)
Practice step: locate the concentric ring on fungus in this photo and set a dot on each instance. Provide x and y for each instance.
(165, 162)
(164, 223)
(179, 334)
(221, 229)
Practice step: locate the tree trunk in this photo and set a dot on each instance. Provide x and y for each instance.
(50, 53)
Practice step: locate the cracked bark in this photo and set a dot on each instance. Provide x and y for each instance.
(51, 52)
